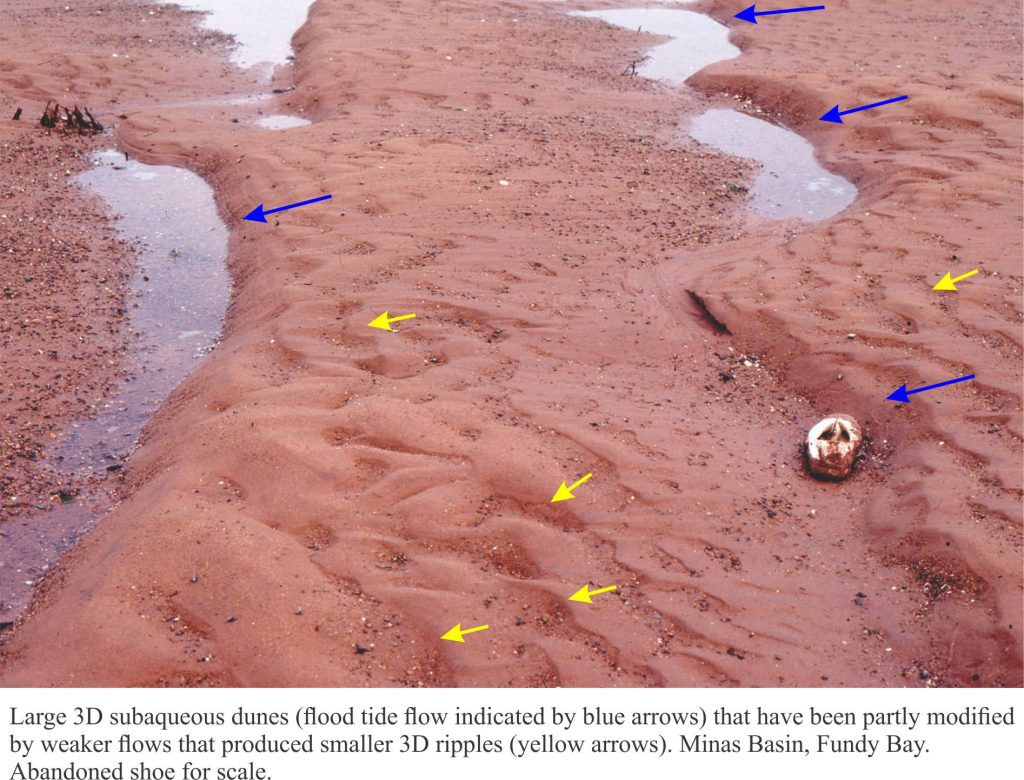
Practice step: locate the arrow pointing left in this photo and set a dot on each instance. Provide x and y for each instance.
(456, 633)
(565, 493)
(947, 282)
(835, 116)
(902, 395)
(751, 14)
(259, 214)
(384, 321)
(584, 594)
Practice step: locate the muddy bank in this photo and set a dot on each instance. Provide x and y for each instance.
(68, 341)
(320, 501)
(62, 332)
(172, 306)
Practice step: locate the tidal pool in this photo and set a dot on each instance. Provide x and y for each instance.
(176, 300)
(262, 28)
(175, 303)
(791, 182)
(697, 40)
(281, 122)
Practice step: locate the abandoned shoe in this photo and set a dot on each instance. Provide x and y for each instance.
(832, 446)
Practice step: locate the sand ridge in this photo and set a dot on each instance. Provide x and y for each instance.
(342, 496)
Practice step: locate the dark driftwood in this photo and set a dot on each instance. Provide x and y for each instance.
(92, 120)
(64, 119)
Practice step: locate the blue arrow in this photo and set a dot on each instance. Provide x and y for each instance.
(903, 395)
(751, 14)
(835, 115)
(258, 214)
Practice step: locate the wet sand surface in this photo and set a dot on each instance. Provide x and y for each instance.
(65, 322)
(173, 308)
(320, 500)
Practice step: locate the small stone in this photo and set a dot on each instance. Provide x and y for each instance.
(832, 446)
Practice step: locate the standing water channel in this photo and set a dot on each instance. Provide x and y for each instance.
(176, 303)
(791, 183)
(176, 300)
(262, 29)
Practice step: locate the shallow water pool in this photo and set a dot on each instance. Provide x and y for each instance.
(697, 40)
(281, 122)
(176, 299)
(175, 303)
(792, 183)
(262, 28)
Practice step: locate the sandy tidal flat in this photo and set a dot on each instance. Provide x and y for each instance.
(320, 500)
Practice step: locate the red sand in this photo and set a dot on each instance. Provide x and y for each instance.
(344, 496)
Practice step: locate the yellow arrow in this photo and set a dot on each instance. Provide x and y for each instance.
(456, 634)
(584, 594)
(565, 493)
(384, 321)
(949, 283)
